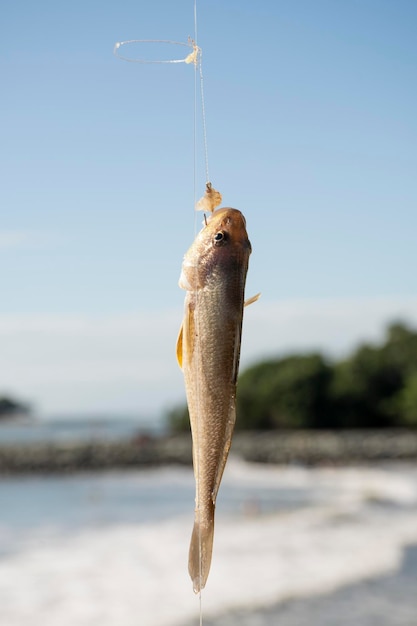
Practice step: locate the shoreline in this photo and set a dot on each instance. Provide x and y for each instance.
(309, 448)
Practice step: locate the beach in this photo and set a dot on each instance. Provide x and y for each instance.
(386, 600)
(293, 545)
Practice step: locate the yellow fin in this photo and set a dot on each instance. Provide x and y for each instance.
(179, 347)
(186, 337)
(252, 300)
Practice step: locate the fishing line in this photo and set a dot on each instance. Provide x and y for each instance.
(208, 202)
(198, 355)
(203, 112)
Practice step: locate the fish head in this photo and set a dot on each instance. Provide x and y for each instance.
(227, 228)
(222, 244)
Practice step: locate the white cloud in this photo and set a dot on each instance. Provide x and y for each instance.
(79, 363)
(17, 239)
(69, 363)
(331, 325)
(12, 239)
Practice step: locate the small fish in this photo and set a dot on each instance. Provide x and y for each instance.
(208, 349)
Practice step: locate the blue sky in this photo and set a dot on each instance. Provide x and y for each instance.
(312, 133)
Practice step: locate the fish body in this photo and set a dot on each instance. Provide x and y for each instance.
(213, 274)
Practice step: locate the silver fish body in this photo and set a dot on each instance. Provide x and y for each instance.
(214, 274)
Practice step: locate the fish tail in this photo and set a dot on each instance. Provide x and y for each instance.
(201, 548)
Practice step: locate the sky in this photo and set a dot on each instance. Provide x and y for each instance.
(311, 132)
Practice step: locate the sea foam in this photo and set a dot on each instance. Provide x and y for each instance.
(352, 524)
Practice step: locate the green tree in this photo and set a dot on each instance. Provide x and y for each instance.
(285, 393)
(178, 418)
(10, 407)
(375, 387)
(363, 389)
(408, 401)
(401, 348)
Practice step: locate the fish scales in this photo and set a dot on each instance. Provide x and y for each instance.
(213, 273)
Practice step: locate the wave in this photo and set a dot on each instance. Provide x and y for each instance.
(339, 526)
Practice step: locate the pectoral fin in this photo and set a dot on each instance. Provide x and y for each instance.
(186, 337)
(252, 300)
(179, 346)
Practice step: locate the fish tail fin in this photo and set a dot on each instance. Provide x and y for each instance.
(201, 548)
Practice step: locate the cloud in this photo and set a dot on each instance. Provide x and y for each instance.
(12, 239)
(121, 363)
(73, 363)
(18, 239)
(334, 326)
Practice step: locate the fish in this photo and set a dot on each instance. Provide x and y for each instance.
(208, 350)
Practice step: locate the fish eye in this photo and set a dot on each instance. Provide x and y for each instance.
(220, 238)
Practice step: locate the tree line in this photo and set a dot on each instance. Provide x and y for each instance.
(10, 408)
(375, 387)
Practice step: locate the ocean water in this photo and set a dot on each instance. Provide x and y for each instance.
(31, 506)
(78, 429)
(111, 548)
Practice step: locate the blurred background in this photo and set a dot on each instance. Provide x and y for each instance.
(311, 128)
